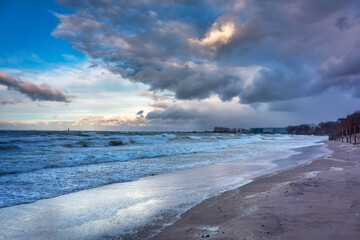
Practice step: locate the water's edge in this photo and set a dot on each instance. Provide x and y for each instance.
(302, 156)
(102, 212)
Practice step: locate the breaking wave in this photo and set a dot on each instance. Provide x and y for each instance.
(47, 164)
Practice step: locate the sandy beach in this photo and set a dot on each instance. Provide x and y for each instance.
(316, 201)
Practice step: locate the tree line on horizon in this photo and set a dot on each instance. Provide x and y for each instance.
(344, 129)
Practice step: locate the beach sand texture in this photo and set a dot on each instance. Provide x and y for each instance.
(316, 201)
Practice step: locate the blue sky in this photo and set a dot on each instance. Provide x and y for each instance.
(168, 65)
(27, 40)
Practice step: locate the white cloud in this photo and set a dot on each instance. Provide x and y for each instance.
(98, 92)
(219, 34)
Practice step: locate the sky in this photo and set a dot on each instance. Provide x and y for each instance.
(186, 65)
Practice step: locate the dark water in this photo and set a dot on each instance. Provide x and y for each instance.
(43, 164)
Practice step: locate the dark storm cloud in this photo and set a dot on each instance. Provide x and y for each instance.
(175, 113)
(343, 72)
(279, 84)
(206, 114)
(259, 51)
(188, 83)
(282, 106)
(35, 92)
(348, 64)
(301, 11)
(342, 22)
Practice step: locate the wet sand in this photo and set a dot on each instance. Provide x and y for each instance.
(316, 201)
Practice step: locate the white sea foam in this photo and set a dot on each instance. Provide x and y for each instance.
(40, 165)
(124, 208)
(194, 137)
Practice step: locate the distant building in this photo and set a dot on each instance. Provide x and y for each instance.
(222, 129)
(243, 130)
(268, 130)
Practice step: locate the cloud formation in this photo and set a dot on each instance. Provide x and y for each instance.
(41, 92)
(221, 33)
(113, 121)
(90, 122)
(10, 101)
(255, 51)
(346, 65)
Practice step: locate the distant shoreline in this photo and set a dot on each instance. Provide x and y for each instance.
(121, 131)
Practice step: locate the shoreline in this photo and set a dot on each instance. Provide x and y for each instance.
(311, 201)
(149, 204)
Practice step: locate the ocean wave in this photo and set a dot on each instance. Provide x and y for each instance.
(94, 149)
(116, 143)
(50, 168)
(119, 149)
(8, 147)
(207, 137)
(194, 137)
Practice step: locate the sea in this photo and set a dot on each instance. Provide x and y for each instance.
(126, 185)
